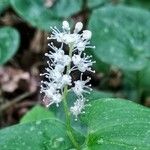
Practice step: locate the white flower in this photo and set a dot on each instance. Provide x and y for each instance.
(58, 56)
(78, 107)
(65, 26)
(81, 87)
(66, 79)
(87, 35)
(55, 98)
(52, 95)
(82, 64)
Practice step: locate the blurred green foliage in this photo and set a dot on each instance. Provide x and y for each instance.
(38, 14)
(9, 43)
(3, 5)
(125, 39)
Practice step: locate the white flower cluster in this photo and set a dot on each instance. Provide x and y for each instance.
(56, 75)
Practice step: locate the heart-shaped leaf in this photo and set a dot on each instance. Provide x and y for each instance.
(40, 135)
(138, 3)
(96, 3)
(37, 113)
(39, 14)
(121, 36)
(117, 124)
(9, 43)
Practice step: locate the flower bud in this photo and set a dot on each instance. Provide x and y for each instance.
(86, 34)
(78, 27)
(65, 25)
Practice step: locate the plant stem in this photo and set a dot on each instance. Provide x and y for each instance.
(67, 113)
(68, 120)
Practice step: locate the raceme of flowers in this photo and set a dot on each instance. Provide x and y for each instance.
(61, 65)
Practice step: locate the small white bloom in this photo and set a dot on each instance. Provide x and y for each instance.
(76, 59)
(82, 64)
(78, 27)
(81, 87)
(86, 34)
(66, 79)
(58, 56)
(81, 46)
(59, 67)
(78, 107)
(55, 98)
(55, 75)
(65, 26)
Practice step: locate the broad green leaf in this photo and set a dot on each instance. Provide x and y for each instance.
(37, 113)
(9, 43)
(71, 98)
(117, 124)
(99, 66)
(40, 135)
(121, 36)
(3, 5)
(96, 3)
(38, 15)
(139, 3)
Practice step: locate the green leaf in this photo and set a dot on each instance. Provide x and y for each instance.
(99, 66)
(37, 113)
(117, 124)
(96, 3)
(40, 135)
(139, 3)
(9, 43)
(38, 15)
(3, 5)
(121, 36)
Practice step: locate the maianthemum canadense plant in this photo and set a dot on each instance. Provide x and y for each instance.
(56, 88)
(100, 124)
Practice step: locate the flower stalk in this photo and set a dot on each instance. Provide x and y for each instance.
(58, 73)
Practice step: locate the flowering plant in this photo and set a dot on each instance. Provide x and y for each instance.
(58, 72)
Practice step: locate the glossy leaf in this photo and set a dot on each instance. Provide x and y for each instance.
(39, 15)
(39, 135)
(139, 3)
(117, 124)
(121, 36)
(9, 43)
(96, 3)
(37, 113)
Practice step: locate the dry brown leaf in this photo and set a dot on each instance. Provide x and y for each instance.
(10, 79)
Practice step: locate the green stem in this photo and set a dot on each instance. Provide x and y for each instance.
(66, 109)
